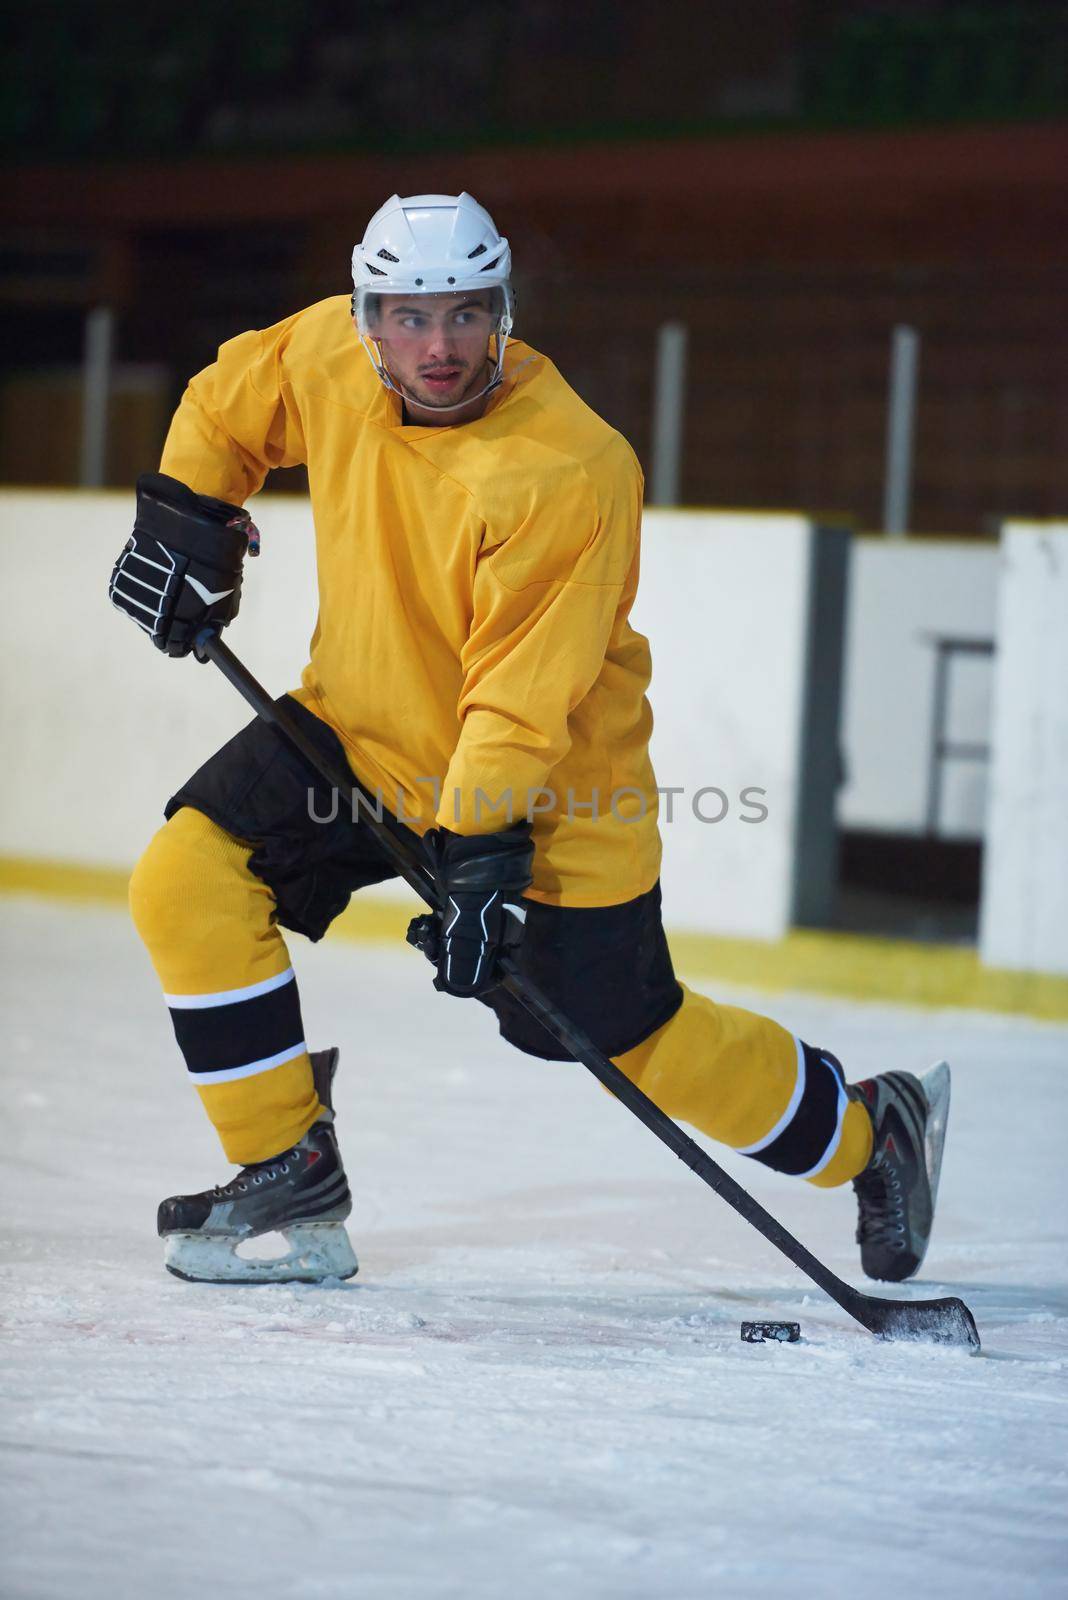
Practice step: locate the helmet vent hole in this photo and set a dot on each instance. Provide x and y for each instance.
(376, 270)
(384, 255)
(479, 250)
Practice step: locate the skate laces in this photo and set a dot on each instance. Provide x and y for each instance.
(256, 1173)
(881, 1210)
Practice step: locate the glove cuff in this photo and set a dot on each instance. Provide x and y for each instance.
(207, 530)
(503, 860)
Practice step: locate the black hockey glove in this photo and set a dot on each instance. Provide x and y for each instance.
(181, 568)
(481, 880)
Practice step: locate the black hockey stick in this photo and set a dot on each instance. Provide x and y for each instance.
(943, 1321)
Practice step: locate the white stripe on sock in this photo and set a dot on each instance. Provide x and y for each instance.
(227, 997)
(228, 1074)
(789, 1114)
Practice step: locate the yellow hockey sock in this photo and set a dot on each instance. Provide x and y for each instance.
(746, 1081)
(209, 925)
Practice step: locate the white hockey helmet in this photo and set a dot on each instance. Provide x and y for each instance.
(431, 244)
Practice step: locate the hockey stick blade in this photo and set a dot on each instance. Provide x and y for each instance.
(933, 1321)
(941, 1321)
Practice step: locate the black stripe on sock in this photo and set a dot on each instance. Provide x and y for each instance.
(218, 1038)
(806, 1136)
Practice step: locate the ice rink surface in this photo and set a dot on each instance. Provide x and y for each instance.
(535, 1387)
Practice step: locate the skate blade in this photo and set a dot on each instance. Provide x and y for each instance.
(935, 1083)
(317, 1250)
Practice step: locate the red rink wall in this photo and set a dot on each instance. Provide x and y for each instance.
(789, 257)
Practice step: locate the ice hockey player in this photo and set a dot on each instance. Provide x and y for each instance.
(477, 530)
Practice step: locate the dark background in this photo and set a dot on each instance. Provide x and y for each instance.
(789, 180)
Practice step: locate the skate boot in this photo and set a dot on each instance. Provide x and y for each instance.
(301, 1193)
(897, 1190)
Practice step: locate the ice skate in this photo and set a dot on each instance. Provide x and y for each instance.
(301, 1193)
(897, 1190)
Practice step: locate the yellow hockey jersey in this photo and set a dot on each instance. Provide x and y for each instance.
(472, 649)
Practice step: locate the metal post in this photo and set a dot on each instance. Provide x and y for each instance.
(938, 736)
(669, 409)
(900, 428)
(96, 390)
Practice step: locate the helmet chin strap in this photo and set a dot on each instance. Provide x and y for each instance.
(374, 355)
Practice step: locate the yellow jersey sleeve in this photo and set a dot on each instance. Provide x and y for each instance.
(547, 602)
(237, 420)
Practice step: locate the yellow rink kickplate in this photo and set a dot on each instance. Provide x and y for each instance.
(853, 966)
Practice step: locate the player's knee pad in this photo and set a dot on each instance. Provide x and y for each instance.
(191, 877)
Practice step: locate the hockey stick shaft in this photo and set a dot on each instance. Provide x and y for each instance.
(876, 1314)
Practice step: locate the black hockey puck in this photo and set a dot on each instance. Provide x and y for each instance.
(757, 1332)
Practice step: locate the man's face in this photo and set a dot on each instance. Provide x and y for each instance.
(436, 346)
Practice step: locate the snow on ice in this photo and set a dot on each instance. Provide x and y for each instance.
(536, 1384)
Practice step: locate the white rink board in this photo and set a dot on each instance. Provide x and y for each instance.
(98, 726)
(724, 601)
(1025, 887)
(100, 729)
(903, 595)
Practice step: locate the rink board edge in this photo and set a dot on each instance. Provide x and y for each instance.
(853, 966)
